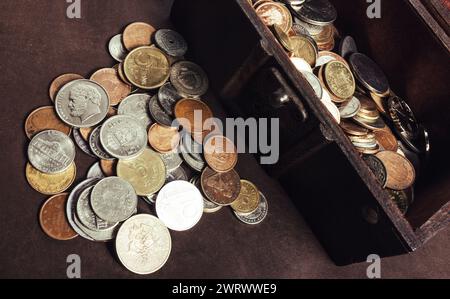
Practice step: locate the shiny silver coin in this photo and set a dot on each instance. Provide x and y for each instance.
(98, 236)
(116, 48)
(96, 146)
(171, 42)
(314, 82)
(81, 143)
(82, 103)
(168, 98)
(189, 79)
(299, 29)
(51, 152)
(158, 114)
(123, 137)
(316, 12)
(95, 172)
(257, 216)
(178, 174)
(368, 145)
(310, 28)
(172, 161)
(368, 73)
(195, 164)
(114, 199)
(347, 47)
(136, 105)
(143, 244)
(350, 108)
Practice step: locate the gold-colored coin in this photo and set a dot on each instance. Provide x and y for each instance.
(304, 48)
(353, 129)
(50, 184)
(164, 139)
(400, 172)
(248, 199)
(146, 173)
(283, 38)
(147, 68)
(339, 80)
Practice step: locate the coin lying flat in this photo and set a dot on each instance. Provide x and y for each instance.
(208, 206)
(368, 73)
(53, 219)
(137, 34)
(158, 114)
(116, 48)
(168, 97)
(143, 244)
(60, 81)
(189, 79)
(81, 143)
(400, 172)
(123, 137)
(50, 184)
(109, 79)
(82, 103)
(164, 139)
(179, 205)
(87, 216)
(220, 153)
(44, 118)
(136, 105)
(221, 188)
(114, 199)
(171, 42)
(51, 152)
(96, 146)
(95, 172)
(248, 199)
(171, 160)
(257, 216)
(177, 174)
(192, 114)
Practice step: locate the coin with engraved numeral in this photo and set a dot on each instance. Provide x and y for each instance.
(171, 42)
(189, 79)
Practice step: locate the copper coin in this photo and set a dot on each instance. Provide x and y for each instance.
(164, 139)
(109, 79)
(353, 129)
(45, 118)
(53, 219)
(137, 35)
(220, 153)
(59, 82)
(387, 140)
(400, 172)
(86, 132)
(221, 188)
(192, 114)
(108, 167)
(274, 13)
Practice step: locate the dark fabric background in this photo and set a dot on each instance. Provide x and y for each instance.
(37, 43)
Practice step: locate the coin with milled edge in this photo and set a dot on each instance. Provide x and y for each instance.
(171, 42)
(96, 146)
(137, 35)
(136, 105)
(316, 12)
(44, 118)
(248, 199)
(168, 97)
(87, 216)
(50, 184)
(368, 73)
(52, 218)
(221, 188)
(257, 216)
(400, 172)
(158, 114)
(350, 108)
(377, 168)
(95, 172)
(189, 79)
(116, 48)
(60, 81)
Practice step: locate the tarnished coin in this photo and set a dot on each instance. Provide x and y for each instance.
(146, 173)
(274, 13)
(147, 68)
(257, 216)
(45, 118)
(179, 205)
(171, 160)
(51, 152)
(53, 219)
(171, 42)
(208, 206)
(123, 137)
(108, 167)
(189, 79)
(316, 12)
(97, 147)
(136, 105)
(248, 199)
(50, 184)
(82, 103)
(339, 80)
(387, 140)
(116, 48)
(400, 172)
(221, 188)
(114, 86)
(347, 47)
(192, 115)
(60, 81)
(82, 144)
(377, 168)
(401, 199)
(95, 172)
(314, 82)
(137, 35)
(164, 139)
(87, 216)
(350, 108)
(304, 48)
(114, 199)
(368, 73)
(143, 244)
(158, 114)
(168, 97)
(220, 153)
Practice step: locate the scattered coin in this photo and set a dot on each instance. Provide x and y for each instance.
(350, 108)
(171, 42)
(257, 216)
(171, 160)
(137, 35)
(192, 114)
(109, 79)
(164, 139)
(248, 199)
(221, 188)
(189, 79)
(87, 216)
(220, 154)
(158, 114)
(168, 97)
(116, 48)
(136, 105)
(177, 174)
(97, 147)
(50, 184)
(108, 167)
(45, 118)
(82, 144)
(60, 81)
(95, 172)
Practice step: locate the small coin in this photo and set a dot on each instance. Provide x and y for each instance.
(274, 13)
(97, 147)
(60, 81)
(378, 168)
(95, 172)
(45, 118)
(143, 244)
(248, 199)
(350, 108)
(220, 154)
(82, 144)
(257, 216)
(87, 216)
(136, 105)
(171, 42)
(108, 167)
(192, 115)
(387, 140)
(137, 35)
(179, 205)
(400, 172)
(51, 152)
(304, 48)
(368, 73)
(146, 173)
(168, 97)
(114, 199)
(171, 160)
(116, 48)
(339, 80)
(208, 206)
(189, 79)
(317, 12)
(164, 139)
(347, 47)
(114, 86)
(53, 219)
(50, 184)
(158, 114)
(221, 188)
(82, 103)
(123, 137)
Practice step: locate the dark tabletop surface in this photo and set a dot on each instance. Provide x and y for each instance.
(37, 43)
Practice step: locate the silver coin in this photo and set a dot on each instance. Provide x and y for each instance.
(171, 42)
(208, 206)
(82, 144)
(168, 98)
(189, 79)
(82, 103)
(114, 199)
(150, 199)
(369, 145)
(172, 161)
(177, 174)
(143, 244)
(347, 47)
(96, 146)
(123, 137)
(51, 152)
(117, 49)
(136, 105)
(299, 29)
(257, 216)
(314, 82)
(193, 163)
(311, 29)
(350, 108)
(158, 114)
(98, 236)
(316, 12)
(87, 217)
(368, 73)
(95, 172)
(191, 147)
(179, 205)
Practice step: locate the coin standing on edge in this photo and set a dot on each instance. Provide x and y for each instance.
(116, 48)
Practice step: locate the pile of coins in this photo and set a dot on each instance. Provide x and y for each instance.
(354, 89)
(140, 118)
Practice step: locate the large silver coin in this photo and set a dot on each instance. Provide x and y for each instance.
(257, 216)
(168, 98)
(158, 114)
(117, 49)
(189, 79)
(179, 205)
(316, 12)
(171, 42)
(350, 108)
(82, 144)
(123, 137)
(143, 244)
(51, 152)
(95, 172)
(82, 103)
(136, 105)
(96, 146)
(114, 199)
(172, 161)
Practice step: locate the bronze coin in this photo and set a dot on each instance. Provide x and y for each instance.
(137, 35)
(221, 188)
(192, 114)
(387, 140)
(220, 153)
(353, 129)
(400, 172)
(59, 82)
(378, 168)
(274, 13)
(53, 219)
(108, 167)
(109, 79)
(45, 118)
(164, 139)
